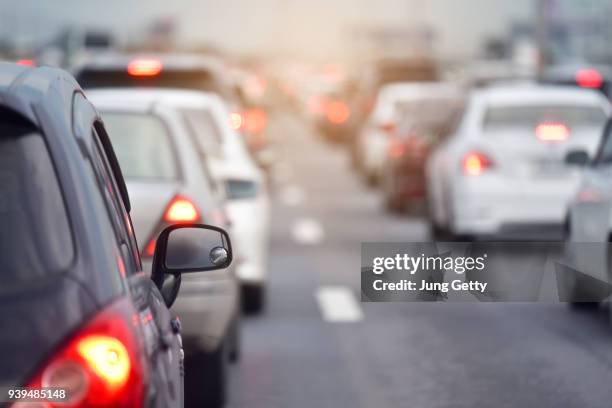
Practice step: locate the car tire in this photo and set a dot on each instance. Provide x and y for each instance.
(235, 349)
(253, 298)
(206, 377)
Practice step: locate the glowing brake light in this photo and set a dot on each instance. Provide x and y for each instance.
(180, 210)
(26, 62)
(107, 357)
(255, 121)
(552, 132)
(236, 121)
(144, 67)
(337, 112)
(476, 163)
(589, 78)
(101, 366)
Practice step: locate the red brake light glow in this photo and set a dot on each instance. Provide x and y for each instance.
(589, 78)
(181, 209)
(100, 366)
(337, 112)
(552, 132)
(475, 163)
(144, 67)
(26, 62)
(255, 121)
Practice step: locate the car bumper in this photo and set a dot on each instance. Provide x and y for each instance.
(494, 207)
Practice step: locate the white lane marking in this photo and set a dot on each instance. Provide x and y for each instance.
(307, 231)
(338, 304)
(292, 196)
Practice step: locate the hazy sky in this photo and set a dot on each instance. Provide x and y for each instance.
(314, 25)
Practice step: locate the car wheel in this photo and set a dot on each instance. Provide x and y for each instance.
(206, 378)
(253, 298)
(236, 342)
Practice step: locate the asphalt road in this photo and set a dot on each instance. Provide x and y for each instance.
(300, 354)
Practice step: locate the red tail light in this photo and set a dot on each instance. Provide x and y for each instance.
(396, 149)
(144, 67)
(101, 366)
(180, 210)
(589, 78)
(387, 127)
(552, 132)
(337, 112)
(26, 62)
(476, 163)
(254, 121)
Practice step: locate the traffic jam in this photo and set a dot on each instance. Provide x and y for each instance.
(185, 210)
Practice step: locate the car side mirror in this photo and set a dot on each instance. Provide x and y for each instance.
(577, 158)
(187, 248)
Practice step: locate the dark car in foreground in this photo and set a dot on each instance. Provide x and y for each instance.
(77, 313)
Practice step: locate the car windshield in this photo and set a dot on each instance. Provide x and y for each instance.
(528, 117)
(143, 146)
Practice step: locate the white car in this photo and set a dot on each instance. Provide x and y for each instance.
(247, 199)
(207, 120)
(373, 140)
(167, 169)
(589, 226)
(501, 171)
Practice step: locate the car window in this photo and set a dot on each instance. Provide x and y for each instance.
(240, 189)
(528, 117)
(116, 211)
(142, 145)
(35, 238)
(204, 129)
(604, 156)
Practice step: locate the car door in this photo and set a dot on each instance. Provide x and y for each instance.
(161, 341)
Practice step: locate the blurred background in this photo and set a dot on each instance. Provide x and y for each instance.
(359, 113)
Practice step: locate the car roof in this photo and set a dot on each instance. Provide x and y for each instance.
(23, 88)
(145, 98)
(521, 94)
(409, 90)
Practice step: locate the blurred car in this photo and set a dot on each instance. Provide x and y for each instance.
(502, 171)
(183, 71)
(422, 123)
(246, 192)
(373, 140)
(369, 81)
(98, 328)
(578, 74)
(589, 226)
(169, 180)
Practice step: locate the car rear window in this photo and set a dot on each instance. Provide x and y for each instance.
(530, 116)
(201, 80)
(430, 112)
(35, 237)
(142, 145)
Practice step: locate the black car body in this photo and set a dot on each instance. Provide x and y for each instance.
(73, 285)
